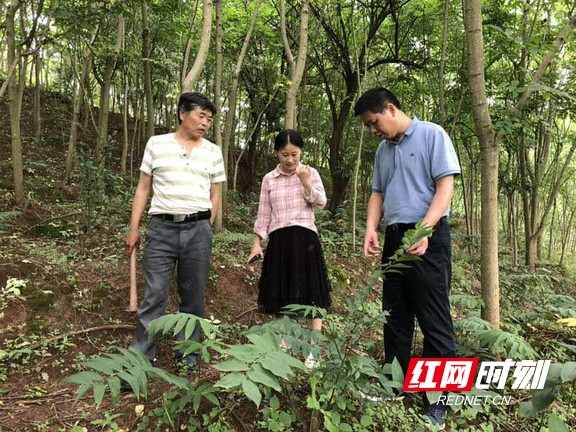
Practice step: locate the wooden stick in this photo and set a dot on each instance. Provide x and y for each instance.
(133, 307)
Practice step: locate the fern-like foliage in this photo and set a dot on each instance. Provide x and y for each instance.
(559, 306)
(111, 371)
(467, 301)
(183, 325)
(398, 260)
(475, 332)
(105, 373)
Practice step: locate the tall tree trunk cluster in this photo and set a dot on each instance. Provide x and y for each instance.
(333, 53)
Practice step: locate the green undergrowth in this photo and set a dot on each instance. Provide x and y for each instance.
(254, 370)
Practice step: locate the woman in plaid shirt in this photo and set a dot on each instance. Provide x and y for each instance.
(293, 271)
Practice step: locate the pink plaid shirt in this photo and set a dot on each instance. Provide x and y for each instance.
(283, 203)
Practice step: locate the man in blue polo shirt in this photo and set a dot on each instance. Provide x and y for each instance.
(413, 181)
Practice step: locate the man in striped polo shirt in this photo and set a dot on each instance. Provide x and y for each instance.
(184, 170)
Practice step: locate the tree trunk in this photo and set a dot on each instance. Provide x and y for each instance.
(37, 116)
(142, 140)
(217, 130)
(441, 80)
(192, 77)
(233, 94)
(105, 92)
(71, 156)
(126, 139)
(489, 156)
(551, 232)
(147, 70)
(513, 228)
(14, 104)
(135, 133)
(339, 177)
(285, 43)
(250, 136)
(566, 232)
(88, 115)
(290, 121)
(189, 44)
(11, 70)
(535, 231)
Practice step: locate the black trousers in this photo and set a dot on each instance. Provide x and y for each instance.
(420, 291)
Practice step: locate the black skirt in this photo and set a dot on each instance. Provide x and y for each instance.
(293, 271)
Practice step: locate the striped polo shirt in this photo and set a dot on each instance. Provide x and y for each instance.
(181, 184)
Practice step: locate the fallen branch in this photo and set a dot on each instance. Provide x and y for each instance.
(44, 396)
(51, 219)
(78, 332)
(252, 309)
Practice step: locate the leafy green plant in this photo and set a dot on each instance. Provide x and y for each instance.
(107, 423)
(106, 373)
(560, 375)
(276, 419)
(128, 365)
(261, 371)
(557, 305)
(262, 361)
(5, 218)
(185, 324)
(12, 291)
(466, 301)
(480, 337)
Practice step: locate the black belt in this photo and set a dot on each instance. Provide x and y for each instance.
(406, 226)
(185, 218)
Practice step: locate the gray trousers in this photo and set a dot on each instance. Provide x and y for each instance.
(187, 245)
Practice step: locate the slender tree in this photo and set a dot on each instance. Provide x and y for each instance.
(336, 53)
(37, 116)
(489, 156)
(218, 221)
(192, 77)
(189, 43)
(233, 93)
(105, 85)
(147, 70)
(82, 83)
(533, 228)
(296, 66)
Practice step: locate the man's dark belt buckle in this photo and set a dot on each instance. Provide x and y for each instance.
(179, 218)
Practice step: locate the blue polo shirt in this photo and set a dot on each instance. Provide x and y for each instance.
(405, 173)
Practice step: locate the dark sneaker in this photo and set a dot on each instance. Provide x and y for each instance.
(375, 393)
(436, 416)
(187, 365)
(125, 387)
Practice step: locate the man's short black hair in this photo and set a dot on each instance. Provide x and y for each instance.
(375, 101)
(189, 101)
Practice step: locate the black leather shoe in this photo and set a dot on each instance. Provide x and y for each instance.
(125, 387)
